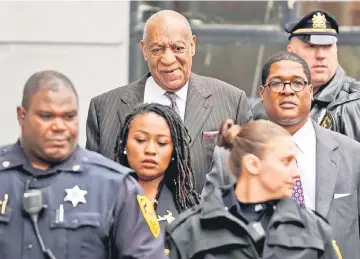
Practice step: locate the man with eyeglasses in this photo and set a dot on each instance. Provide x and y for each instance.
(336, 103)
(328, 162)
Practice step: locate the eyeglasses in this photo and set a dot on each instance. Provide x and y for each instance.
(297, 85)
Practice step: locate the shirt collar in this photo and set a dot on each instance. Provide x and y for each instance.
(182, 93)
(232, 203)
(303, 134)
(13, 156)
(157, 91)
(214, 202)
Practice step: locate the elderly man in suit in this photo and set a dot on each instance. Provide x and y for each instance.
(168, 46)
(329, 162)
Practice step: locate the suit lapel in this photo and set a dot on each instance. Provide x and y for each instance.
(198, 106)
(327, 169)
(133, 96)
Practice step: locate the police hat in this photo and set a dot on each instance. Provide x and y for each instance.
(317, 27)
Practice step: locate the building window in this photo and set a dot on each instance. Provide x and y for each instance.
(237, 55)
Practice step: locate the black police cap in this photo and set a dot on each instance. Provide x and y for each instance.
(317, 27)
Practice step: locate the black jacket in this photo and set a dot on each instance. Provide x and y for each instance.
(336, 106)
(210, 231)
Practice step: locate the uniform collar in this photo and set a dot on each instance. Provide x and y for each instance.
(329, 91)
(13, 156)
(287, 210)
(238, 208)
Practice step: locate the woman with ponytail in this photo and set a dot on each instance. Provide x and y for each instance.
(255, 217)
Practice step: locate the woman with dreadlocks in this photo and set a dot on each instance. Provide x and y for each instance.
(155, 144)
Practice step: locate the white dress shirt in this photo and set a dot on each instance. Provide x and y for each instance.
(155, 94)
(305, 140)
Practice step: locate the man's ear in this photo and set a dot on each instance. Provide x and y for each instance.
(311, 90)
(20, 115)
(143, 49)
(289, 48)
(193, 45)
(262, 91)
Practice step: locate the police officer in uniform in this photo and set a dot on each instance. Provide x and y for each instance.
(58, 200)
(253, 218)
(336, 103)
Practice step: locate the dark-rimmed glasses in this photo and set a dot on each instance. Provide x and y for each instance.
(297, 85)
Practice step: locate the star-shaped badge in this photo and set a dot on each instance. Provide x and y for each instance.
(75, 195)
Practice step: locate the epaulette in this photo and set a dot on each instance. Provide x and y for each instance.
(354, 87)
(182, 217)
(5, 149)
(101, 161)
(317, 214)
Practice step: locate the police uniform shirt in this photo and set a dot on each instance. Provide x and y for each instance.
(246, 211)
(250, 212)
(94, 210)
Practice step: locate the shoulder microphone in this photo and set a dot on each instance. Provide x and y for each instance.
(33, 205)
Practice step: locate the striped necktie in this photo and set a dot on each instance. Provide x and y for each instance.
(172, 97)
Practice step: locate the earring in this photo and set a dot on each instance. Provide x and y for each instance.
(172, 159)
(124, 152)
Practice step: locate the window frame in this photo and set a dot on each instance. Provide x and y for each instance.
(226, 33)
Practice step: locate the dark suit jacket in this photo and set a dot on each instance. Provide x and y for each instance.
(337, 172)
(209, 102)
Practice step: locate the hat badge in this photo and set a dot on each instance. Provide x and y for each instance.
(319, 21)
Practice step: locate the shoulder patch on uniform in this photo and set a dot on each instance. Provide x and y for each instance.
(327, 121)
(337, 249)
(149, 214)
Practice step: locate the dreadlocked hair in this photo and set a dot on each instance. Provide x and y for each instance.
(178, 177)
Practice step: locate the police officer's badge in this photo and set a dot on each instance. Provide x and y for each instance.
(75, 195)
(319, 21)
(327, 121)
(149, 214)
